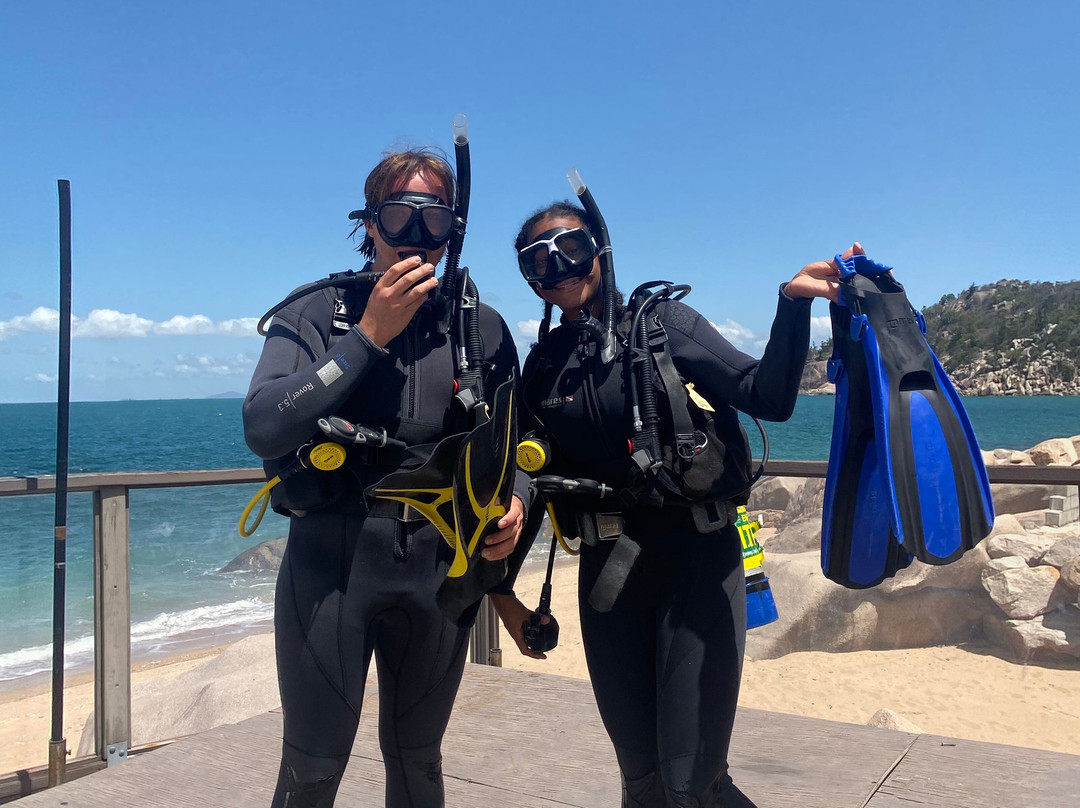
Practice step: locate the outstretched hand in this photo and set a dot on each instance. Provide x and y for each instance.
(819, 278)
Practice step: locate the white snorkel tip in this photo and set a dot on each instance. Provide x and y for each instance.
(461, 129)
(576, 182)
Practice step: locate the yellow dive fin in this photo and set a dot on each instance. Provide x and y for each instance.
(429, 489)
(483, 486)
(463, 489)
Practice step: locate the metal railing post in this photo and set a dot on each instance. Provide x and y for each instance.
(484, 639)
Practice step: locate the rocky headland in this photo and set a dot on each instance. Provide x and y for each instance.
(1009, 338)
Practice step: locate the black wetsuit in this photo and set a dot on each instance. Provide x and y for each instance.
(354, 582)
(666, 660)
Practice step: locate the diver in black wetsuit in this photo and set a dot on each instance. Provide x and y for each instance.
(666, 658)
(360, 577)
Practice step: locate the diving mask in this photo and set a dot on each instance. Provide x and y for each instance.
(411, 218)
(558, 254)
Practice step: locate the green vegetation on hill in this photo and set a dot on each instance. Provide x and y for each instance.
(1009, 337)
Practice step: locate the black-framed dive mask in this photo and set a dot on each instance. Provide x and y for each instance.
(558, 254)
(412, 218)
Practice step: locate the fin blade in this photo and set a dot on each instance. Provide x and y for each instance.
(931, 467)
(858, 546)
(429, 488)
(483, 485)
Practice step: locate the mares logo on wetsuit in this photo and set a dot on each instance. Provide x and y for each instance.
(558, 401)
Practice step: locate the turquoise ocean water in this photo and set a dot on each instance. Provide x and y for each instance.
(181, 537)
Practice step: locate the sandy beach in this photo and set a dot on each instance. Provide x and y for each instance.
(965, 692)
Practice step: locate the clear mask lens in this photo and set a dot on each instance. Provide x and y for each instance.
(564, 255)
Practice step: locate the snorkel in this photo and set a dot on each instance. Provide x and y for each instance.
(460, 126)
(459, 288)
(604, 332)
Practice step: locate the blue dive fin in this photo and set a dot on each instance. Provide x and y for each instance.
(858, 546)
(904, 465)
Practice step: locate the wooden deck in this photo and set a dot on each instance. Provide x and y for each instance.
(536, 741)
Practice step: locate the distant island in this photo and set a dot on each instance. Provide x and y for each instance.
(1010, 338)
(229, 394)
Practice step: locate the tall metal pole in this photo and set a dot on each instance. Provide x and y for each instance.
(58, 743)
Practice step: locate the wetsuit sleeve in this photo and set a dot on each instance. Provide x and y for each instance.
(297, 380)
(766, 388)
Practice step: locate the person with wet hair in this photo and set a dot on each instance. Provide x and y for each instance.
(664, 626)
(359, 575)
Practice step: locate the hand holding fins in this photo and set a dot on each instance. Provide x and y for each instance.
(463, 489)
(906, 478)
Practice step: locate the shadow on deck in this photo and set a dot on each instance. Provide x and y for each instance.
(536, 741)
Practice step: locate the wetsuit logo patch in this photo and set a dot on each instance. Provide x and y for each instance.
(558, 401)
(330, 373)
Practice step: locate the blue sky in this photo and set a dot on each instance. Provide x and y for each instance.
(215, 149)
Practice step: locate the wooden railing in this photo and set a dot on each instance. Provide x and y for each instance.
(112, 607)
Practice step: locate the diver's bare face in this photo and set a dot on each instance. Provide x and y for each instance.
(573, 294)
(385, 255)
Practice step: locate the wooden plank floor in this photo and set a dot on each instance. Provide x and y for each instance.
(536, 741)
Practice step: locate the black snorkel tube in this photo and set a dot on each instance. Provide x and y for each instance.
(460, 125)
(603, 332)
(459, 288)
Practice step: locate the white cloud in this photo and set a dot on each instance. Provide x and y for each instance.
(240, 327)
(45, 378)
(238, 365)
(749, 342)
(110, 324)
(41, 320)
(820, 329)
(181, 325)
(528, 328)
(735, 333)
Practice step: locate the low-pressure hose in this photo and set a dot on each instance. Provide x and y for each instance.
(325, 456)
(470, 348)
(649, 417)
(341, 280)
(263, 497)
(471, 338)
(643, 394)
